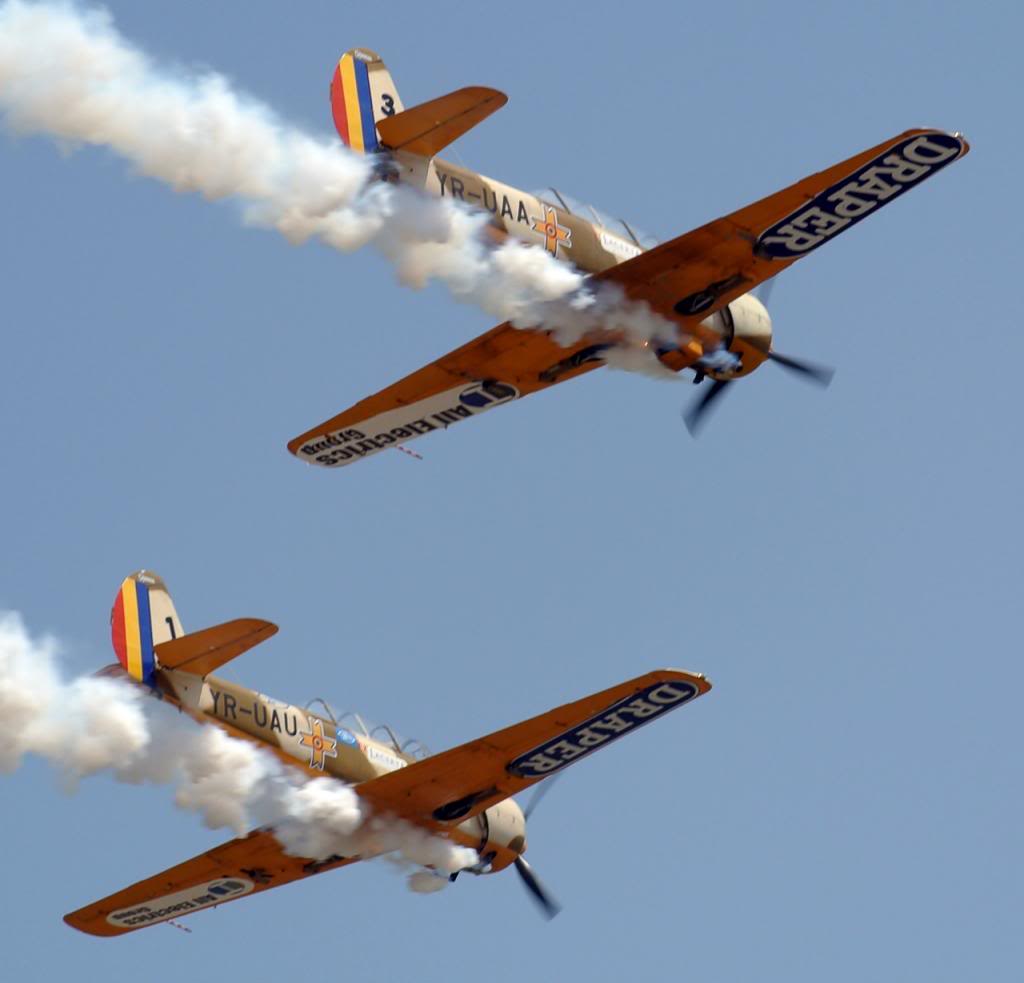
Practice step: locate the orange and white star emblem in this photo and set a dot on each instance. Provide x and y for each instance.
(320, 747)
(554, 234)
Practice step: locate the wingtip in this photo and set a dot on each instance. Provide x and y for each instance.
(965, 145)
(702, 681)
(72, 920)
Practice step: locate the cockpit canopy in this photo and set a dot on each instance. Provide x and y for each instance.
(350, 720)
(616, 226)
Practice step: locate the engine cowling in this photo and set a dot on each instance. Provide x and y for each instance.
(746, 330)
(502, 834)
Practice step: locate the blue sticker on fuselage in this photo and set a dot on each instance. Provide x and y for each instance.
(857, 195)
(346, 736)
(627, 715)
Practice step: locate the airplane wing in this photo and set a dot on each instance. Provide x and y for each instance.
(497, 367)
(230, 871)
(686, 279)
(702, 271)
(457, 784)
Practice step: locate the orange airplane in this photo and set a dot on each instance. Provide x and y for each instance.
(699, 283)
(463, 794)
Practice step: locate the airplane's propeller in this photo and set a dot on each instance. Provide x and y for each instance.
(819, 374)
(547, 903)
(763, 291)
(694, 417)
(542, 789)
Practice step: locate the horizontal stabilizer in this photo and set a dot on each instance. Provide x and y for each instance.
(203, 651)
(429, 127)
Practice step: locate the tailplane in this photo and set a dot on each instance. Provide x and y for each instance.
(369, 115)
(206, 650)
(429, 127)
(147, 634)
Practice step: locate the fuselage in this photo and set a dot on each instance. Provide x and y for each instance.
(320, 746)
(744, 328)
(545, 222)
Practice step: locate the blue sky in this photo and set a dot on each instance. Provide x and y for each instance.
(845, 566)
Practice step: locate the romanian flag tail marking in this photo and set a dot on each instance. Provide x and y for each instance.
(143, 616)
(362, 93)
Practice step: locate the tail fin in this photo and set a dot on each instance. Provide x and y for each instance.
(143, 617)
(362, 94)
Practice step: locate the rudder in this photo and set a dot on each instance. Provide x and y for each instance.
(362, 93)
(143, 616)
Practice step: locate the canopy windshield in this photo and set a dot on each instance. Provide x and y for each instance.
(358, 724)
(617, 226)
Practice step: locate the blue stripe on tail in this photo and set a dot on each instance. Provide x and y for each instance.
(365, 106)
(145, 632)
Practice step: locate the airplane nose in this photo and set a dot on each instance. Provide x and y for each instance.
(751, 322)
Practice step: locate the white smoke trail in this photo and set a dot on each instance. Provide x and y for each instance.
(66, 71)
(95, 724)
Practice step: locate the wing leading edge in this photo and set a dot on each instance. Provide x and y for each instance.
(685, 280)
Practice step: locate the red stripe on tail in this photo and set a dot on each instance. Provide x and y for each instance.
(117, 636)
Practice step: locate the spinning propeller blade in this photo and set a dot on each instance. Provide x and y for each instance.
(548, 905)
(821, 374)
(694, 416)
(542, 790)
(764, 291)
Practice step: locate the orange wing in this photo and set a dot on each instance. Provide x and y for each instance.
(233, 870)
(456, 784)
(685, 280)
(700, 272)
(497, 367)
